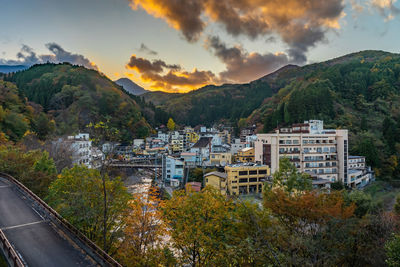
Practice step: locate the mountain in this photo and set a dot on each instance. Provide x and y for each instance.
(72, 97)
(12, 68)
(130, 86)
(358, 91)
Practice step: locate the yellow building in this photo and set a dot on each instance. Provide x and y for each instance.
(245, 155)
(217, 180)
(192, 137)
(239, 179)
(221, 159)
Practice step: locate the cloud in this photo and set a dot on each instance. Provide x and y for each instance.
(301, 24)
(169, 77)
(242, 66)
(143, 48)
(385, 8)
(27, 56)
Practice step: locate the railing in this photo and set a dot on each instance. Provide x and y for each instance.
(106, 260)
(9, 252)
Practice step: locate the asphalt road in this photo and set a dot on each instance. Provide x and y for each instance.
(33, 237)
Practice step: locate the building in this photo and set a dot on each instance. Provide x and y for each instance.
(357, 162)
(172, 168)
(220, 159)
(81, 147)
(217, 180)
(236, 146)
(248, 131)
(240, 179)
(245, 155)
(359, 173)
(202, 149)
(313, 149)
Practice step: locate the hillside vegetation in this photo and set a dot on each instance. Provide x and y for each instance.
(359, 91)
(73, 97)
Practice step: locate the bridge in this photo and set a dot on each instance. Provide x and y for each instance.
(33, 234)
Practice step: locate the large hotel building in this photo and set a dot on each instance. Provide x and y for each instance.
(313, 149)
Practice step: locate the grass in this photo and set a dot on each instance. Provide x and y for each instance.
(383, 193)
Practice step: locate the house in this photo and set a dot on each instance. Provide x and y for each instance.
(172, 168)
(202, 149)
(217, 180)
(236, 146)
(194, 186)
(245, 155)
(220, 159)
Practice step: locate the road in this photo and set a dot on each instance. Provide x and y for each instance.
(33, 237)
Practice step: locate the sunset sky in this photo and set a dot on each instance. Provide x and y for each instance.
(180, 45)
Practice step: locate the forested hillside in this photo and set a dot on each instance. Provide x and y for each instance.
(72, 97)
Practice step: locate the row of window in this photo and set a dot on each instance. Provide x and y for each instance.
(252, 172)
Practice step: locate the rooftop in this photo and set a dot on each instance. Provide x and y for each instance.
(219, 174)
(203, 142)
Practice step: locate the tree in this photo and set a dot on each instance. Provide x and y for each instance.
(289, 178)
(392, 248)
(103, 133)
(142, 242)
(201, 224)
(77, 194)
(397, 205)
(32, 168)
(171, 124)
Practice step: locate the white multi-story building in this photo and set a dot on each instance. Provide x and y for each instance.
(81, 147)
(313, 149)
(236, 146)
(359, 173)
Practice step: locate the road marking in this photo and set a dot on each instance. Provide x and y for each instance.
(21, 225)
(2, 186)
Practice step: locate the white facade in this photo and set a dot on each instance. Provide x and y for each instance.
(312, 149)
(81, 147)
(236, 146)
(357, 162)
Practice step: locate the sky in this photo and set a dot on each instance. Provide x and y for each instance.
(182, 45)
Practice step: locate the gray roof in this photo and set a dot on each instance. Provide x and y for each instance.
(203, 142)
(219, 174)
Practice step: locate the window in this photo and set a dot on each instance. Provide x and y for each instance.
(234, 187)
(252, 180)
(252, 172)
(243, 180)
(243, 173)
(262, 172)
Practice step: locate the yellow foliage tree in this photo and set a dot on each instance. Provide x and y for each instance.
(171, 124)
(144, 233)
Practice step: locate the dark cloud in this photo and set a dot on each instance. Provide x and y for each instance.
(143, 48)
(300, 24)
(242, 66)
(27, 56)
(169, 77)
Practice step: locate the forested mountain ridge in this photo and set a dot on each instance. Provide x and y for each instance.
(73, 96)
(358, 91)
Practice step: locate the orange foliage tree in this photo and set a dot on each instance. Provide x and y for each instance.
(145, 232)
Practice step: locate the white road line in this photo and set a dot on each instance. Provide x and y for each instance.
(21, 225)
(2, 186)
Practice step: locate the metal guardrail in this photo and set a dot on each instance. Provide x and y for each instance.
(107, 259)
(9, 252)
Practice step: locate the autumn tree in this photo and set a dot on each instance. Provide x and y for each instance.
(171, 124)
(289, 178)
(104, 136)
(392, 248)
(77, 194)
(144, 235)
(201, 225)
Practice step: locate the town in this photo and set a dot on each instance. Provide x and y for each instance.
(235, 166)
